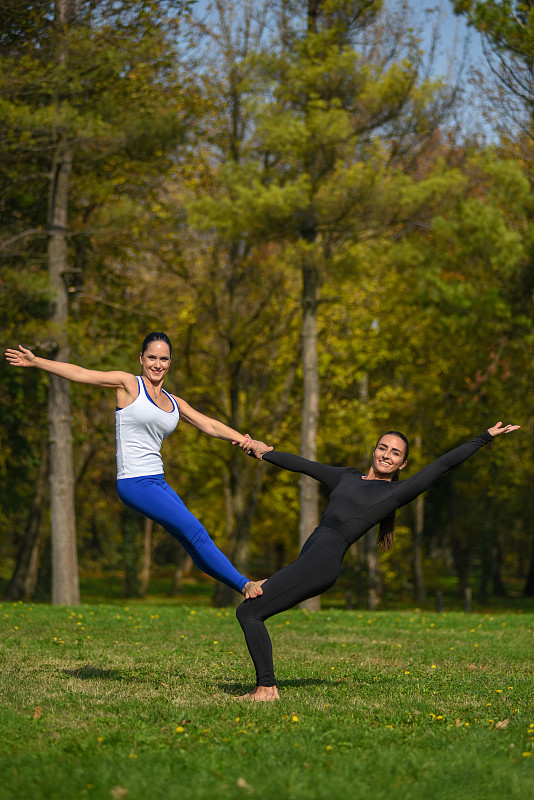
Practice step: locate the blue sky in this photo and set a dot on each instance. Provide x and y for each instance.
(427, 11)
(453, 32)
(454, 29)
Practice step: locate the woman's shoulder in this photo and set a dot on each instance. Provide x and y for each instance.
(127, 388)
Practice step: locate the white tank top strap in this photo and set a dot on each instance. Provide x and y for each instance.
(142, 388)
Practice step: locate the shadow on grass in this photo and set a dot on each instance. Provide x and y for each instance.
(90, 673)
(232, 688)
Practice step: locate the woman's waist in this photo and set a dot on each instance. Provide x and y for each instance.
(150, 464)
(326, 537)
(157, 478)
(347, 529)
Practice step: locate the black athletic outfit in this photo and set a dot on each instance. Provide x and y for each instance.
(355, 505)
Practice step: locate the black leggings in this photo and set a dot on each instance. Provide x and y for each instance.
(314, 571)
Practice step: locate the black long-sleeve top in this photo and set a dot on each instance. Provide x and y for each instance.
(356, 504)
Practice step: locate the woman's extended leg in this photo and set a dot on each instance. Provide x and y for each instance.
(154, 498)
(314, 571)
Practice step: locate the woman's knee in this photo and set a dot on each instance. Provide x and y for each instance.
(195, 533)
(244, 612)
(239, 612)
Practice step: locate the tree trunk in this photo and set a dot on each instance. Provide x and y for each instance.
(313, 11)
(32, 575)
(309, 488)
(246, 479)
(183, 568)
(490, 566)
(43, 586)
(24, 578)
(374, 575)
(486, 558)
(130, 521)
(460, 558)
(460, 553)
(528, 589)
(245, 495)
(65, 584)
(499, 589)
(419, 591)
(144, 575)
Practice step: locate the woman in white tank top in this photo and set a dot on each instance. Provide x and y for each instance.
(145, 415)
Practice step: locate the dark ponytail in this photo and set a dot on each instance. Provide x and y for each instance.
(386, 527)
(156, 337)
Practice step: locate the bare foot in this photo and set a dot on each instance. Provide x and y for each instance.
(252, 589)
(261, 694)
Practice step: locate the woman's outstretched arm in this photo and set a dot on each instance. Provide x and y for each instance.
(210, 426)
(324, 473)
(23, 357)
(408, 490)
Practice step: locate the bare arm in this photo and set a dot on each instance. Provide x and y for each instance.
(72, 372)
(212, 427)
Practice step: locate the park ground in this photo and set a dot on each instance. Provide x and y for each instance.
(136, 700)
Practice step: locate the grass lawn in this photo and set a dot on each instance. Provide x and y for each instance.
(136, 701)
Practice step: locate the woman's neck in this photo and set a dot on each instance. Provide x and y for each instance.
(155, 388)
(372, 476)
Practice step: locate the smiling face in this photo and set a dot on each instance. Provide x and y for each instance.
(155, 361)
(389, 456)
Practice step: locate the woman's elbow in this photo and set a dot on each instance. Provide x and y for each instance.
(208, 428)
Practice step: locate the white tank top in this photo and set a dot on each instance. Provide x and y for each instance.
(140, 429)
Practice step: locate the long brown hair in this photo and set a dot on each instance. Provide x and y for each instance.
(386, 527)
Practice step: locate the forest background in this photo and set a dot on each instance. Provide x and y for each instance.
(291, 192)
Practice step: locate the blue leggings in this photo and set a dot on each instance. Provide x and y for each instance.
(153, 497)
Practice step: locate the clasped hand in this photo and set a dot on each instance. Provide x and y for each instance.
(253, 447)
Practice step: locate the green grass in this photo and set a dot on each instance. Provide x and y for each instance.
(136, 701)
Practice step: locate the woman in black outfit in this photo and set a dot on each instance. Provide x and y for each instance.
(356, 503)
